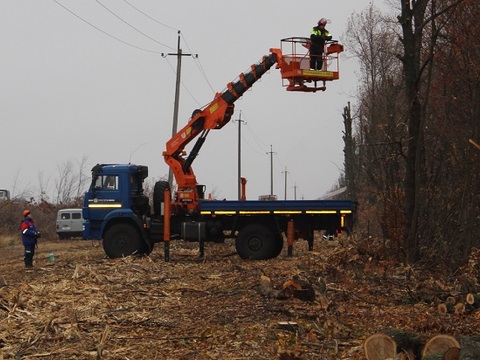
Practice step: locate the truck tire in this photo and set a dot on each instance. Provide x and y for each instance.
(278, 245)
(122, 240)
(159, 196)
(256, 242)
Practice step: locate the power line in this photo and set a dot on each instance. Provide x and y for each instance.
(148, 16)
(199, 65)
(103, 31)
(197, 62)
(183, 85)
(133, 27)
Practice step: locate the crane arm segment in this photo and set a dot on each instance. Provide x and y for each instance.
(213, 117)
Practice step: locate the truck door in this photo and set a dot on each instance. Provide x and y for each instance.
(106, 197)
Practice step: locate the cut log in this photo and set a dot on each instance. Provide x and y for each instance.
(452, 354)
(445, 308)
(407, 343)
(451, 300)
(380, 347)
(459, 309)
(473, 300)
(438, 356)
(265, 288)
(299, 289)
(439, 344)
(288, 325)
(294, 287)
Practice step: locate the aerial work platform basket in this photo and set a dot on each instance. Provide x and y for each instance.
(295, 65)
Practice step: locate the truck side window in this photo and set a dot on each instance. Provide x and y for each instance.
(110, 183)
(98, 182)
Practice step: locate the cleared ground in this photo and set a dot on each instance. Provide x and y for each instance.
(84, 306)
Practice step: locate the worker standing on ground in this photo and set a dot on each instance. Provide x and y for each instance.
(30, 234)
(318, 36)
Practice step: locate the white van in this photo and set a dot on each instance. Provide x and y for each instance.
(69, 223)
(4, 195)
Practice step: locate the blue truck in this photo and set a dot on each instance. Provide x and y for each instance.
(117, 210)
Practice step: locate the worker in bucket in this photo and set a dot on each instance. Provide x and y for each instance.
(318, 36)
(30, 234)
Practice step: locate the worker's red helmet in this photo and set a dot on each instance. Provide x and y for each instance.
(26, 212)
(322, 21)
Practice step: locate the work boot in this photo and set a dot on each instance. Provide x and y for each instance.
(28, 263)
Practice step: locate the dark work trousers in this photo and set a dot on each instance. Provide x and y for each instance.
(28, 255)
(316, 58)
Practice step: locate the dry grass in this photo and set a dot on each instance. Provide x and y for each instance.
(84, 306)
(8, 241)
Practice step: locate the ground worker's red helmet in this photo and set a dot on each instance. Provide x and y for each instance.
(322, 21)
(26, 212)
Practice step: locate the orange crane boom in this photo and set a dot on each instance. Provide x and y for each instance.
(219, 111)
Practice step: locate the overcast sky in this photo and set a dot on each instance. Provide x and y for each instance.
(90, 82)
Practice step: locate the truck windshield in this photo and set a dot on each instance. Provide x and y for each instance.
(106, 182)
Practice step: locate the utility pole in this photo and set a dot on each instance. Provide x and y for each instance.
(295, 192)
(271, 170)
(286, 172)
(179, 55)
(240, 121)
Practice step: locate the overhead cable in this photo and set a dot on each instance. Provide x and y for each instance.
(104, 32)
(130, 25)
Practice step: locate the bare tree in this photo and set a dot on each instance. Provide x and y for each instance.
(419, 38)
(43, 187)
(380, 121)
(82, 182)
(71, 183)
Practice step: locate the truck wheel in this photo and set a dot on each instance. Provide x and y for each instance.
(159, 196)
(256, 242)
(278, 245)
(122, 240)
(146, 249)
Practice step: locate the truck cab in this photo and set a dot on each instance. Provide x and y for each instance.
(116, 210)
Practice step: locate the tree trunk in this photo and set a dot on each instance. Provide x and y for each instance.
(411, 20)
(349, 150)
